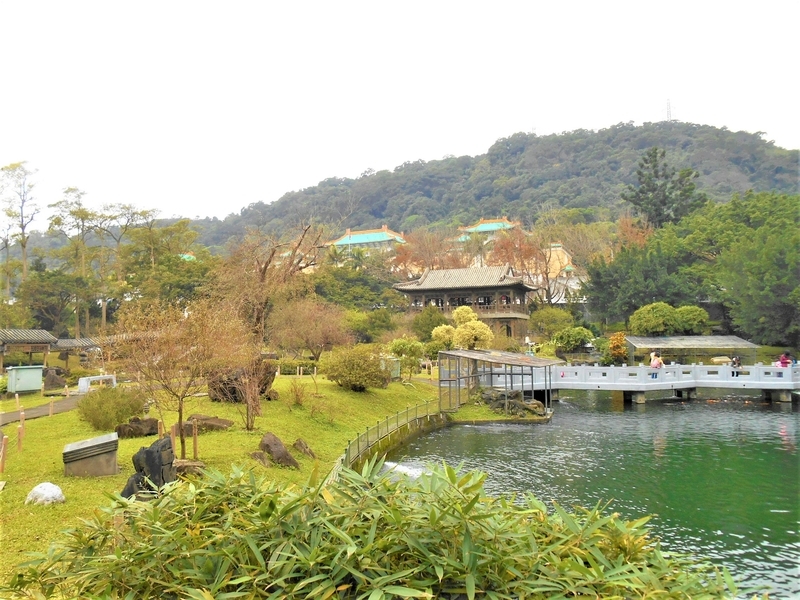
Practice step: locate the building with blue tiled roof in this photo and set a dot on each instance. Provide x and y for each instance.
(382, 239)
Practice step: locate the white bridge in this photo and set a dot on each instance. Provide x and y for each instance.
(773, 381)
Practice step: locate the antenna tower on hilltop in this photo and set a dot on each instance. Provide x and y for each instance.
(669, 111)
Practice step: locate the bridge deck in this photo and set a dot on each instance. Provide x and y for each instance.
(642, 378)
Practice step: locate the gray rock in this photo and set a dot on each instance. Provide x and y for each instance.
(137, 427)
(301, 446)
(272, 446)
(154, 464)
(262, 458)
(205, 423)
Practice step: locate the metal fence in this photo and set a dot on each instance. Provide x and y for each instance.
(362, 445)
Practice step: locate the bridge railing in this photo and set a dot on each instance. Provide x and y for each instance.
(644, 377)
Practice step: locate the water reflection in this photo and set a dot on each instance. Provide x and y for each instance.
(722, 474)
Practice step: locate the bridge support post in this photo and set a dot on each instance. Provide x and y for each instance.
(637, 397)
(777, 395)
(688, 393)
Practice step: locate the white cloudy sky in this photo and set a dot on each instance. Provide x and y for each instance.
(200, 108)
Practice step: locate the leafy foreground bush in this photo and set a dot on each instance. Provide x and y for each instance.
(107, 407)
(368, 535)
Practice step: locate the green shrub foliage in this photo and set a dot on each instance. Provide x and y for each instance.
(366, 535)
(356, 368)
(107, 407)
(571, 338)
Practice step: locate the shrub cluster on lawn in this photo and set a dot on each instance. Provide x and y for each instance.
(366, 535)
(356, 368)
(107, 407)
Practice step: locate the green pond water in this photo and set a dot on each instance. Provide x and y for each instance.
(721, 473)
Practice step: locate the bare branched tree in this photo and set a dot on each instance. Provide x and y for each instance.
(172, 350)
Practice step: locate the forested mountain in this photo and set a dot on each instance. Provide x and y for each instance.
(519, 175)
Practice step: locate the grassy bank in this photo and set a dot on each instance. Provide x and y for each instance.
(326, 421)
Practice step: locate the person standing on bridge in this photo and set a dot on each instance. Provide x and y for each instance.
(736, 363)
(655, 363)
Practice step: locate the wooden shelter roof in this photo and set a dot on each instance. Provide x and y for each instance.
(26, 336)
(690, 342)
(70, 344)
(504, 358)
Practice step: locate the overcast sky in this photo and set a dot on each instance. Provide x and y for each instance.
(199, 108)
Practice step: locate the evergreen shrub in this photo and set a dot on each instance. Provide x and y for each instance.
(107, 407)
(356, 368)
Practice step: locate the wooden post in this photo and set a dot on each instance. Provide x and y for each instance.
(16, 397)
(194, 438)
(22, 420)
(19, 438)
(66, 390)
(3, 451)
(51, 408)
(160, 429)
(172, 434)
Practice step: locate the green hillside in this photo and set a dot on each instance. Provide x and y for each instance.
(520, 174)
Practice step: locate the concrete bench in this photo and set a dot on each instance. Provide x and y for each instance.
(85, 382)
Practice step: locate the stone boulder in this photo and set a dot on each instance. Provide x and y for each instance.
(226, 385)
(45, 493)
(184, 467)
(301, 446)
(272, 446)
(137, 427)
(205, 423)
(262, 458)
(53, 380)
(154, 464)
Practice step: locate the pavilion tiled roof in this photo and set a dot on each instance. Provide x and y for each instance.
(368, 236)
(26, 336)
(489, 225)
(70, 344)
(458, 279)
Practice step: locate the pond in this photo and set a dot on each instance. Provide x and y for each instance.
(721, 473)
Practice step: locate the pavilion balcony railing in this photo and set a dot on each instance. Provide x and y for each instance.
(482, 309)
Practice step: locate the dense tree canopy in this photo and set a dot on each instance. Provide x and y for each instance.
(663, 195)
(580, 170)
(742, 255)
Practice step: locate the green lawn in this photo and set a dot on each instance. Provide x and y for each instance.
(326, 421)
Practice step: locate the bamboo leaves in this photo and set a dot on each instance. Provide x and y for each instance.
(367, 536)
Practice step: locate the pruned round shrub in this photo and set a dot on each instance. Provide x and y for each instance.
(356, 368)
(107, 407)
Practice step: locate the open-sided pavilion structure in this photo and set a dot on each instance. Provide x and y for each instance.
(688, 349)
(462, 371)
